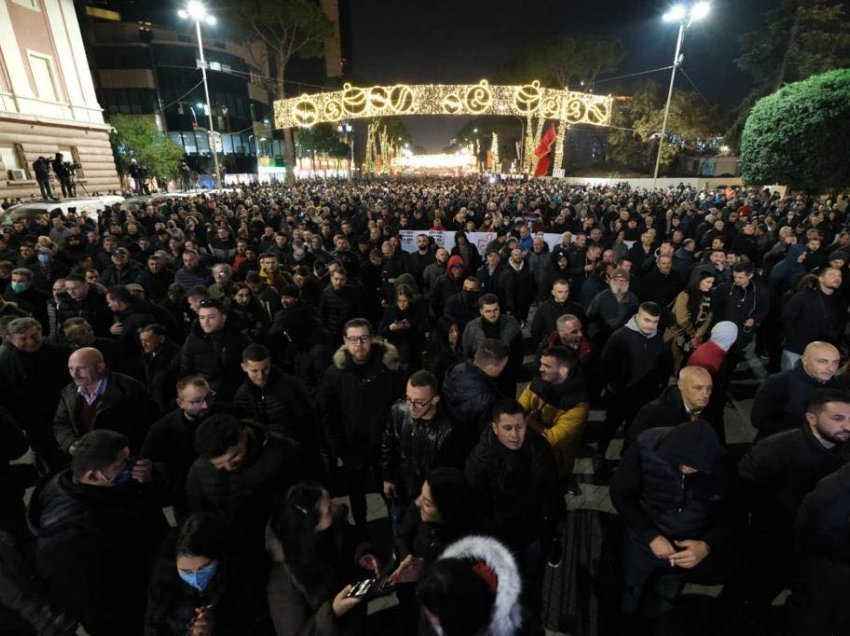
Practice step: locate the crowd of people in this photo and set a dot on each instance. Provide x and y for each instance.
(200, 383)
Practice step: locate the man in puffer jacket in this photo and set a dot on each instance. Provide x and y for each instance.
(669, 490)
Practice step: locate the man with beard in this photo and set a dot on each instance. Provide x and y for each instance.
(611, 308)
(434, 272)
(169, 442)
(416, 263)
(745, 302)
(339, 303)
(777, 473)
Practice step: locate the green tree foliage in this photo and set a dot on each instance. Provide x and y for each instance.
(135, 137)
(321, 139)
(800, 38)
(637, 121)
(561, 61)
(797, 135)
(286, 29)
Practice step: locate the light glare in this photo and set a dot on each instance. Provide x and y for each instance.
(675, 13)
(700, 10)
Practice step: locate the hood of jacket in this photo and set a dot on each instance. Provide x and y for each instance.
(455, 260)
(724, 334)
(385, 352)
(693, 444)
(506, 618)
(632, 324)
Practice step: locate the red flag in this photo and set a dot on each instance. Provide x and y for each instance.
(544, 152)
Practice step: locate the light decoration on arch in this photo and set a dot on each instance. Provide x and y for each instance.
(527, 101)
(531, 102)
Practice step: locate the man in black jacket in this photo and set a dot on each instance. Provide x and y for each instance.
(777, 473)
(86, 302)
(213, 348)
(32, 373)
(157, 368)
(818, 314)
(745, 301)
(818, 603)
(239, 471)
(354, 401)
(98, 526)
(637, 363)
(99, 399)
(470, 390)
(669, 490)
(545, 320)
(780, 402)
(513, 474)
(418, 437)
(677, 404)
(339, 303)
(276, 400)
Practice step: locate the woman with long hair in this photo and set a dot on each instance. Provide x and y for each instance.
(315, 559)
(444, 348)
(256, 318)
(403, 325)
(692, 311)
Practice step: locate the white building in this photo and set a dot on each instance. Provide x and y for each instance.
(47, 99)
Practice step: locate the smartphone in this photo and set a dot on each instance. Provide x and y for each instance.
(361, 588)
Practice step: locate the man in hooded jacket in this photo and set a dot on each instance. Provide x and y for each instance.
(669, 490)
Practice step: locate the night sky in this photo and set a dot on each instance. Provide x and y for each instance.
(448, 41)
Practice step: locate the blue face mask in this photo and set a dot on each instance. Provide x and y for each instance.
(126, 475)
(200, 579)
(44, 258)
(18, 286)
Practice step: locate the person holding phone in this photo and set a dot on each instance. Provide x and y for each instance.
(316, 563)
(442, 513)
(199, 586)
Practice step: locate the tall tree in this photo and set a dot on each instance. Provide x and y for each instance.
(286, 29)
(561, 61)
(800, 38)
(792, 136)
(137, 137)
(633, 140)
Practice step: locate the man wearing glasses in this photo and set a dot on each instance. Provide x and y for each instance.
(417, 438)
(170, 441)
(355, 398)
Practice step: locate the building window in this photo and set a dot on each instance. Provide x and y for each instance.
(29, 4)
(43, 76)
(71, 154)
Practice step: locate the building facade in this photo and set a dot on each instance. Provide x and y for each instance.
(47, 99)
(145, 61)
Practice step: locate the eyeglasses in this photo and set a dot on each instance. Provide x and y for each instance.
(360, 339)
(209, 397)
(420, 404)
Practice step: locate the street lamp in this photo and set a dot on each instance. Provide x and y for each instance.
(346, 128)
(196, 12)
(685, 15)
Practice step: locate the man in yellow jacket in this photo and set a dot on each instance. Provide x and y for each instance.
(557, 405)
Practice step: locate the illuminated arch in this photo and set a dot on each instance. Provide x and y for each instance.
(530, 101)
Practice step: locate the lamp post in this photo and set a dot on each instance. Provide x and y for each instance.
(346, 129)
(685, 15)
(197, 12)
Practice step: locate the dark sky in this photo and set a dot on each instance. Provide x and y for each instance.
(447, 41)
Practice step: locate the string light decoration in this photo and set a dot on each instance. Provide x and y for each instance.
(529, 101)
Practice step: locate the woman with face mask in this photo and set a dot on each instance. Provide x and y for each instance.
(316, 558)
(197, 588)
